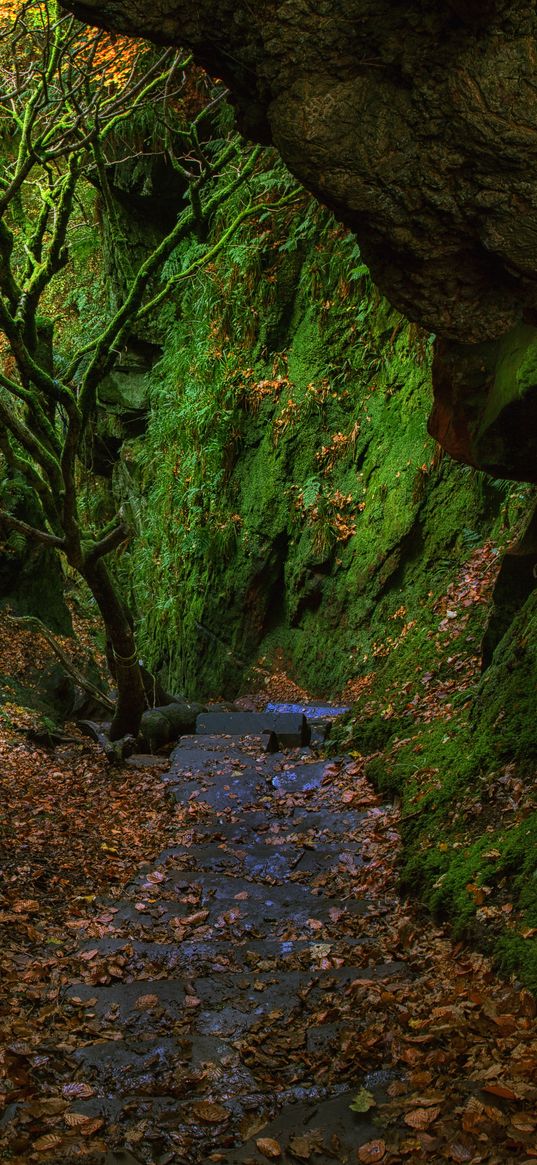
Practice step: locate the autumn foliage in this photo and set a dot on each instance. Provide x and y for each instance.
(111, 58)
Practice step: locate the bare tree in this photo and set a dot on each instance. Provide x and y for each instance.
(66, 93)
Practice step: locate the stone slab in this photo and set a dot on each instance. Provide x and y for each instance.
(291, 728)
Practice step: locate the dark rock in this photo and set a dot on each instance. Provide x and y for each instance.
(290, 728)
(182, 715)
(415, 124)
(57, 689)
(269, 741)
(95, 729)
(31, 576)
(516, 581)
(161, 725)
(485, 410)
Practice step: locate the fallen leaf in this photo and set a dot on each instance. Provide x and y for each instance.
(210, 1113)
(76, 1120)
(363, 1101)
(92, 1125)
(50, 1106)
(302, 1147)
(250, 1125)
(373, 1151)
(195, 919)
(421, 1118)
(77, 1092)
(146, 1002)
(501, 1090)
(460, 1152)
(46, 1143)
(269, 1148)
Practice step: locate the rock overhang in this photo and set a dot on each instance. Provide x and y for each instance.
(417, 125)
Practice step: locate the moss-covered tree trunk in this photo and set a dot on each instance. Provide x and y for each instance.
(131, 699)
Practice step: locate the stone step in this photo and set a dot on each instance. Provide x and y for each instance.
(268, 908)
(291, 728)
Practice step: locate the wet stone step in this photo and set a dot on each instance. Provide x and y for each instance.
(224, 1005)
(229, 973)
(278, 911)
(217, 956)
(250, 827)
(178, 1122)
(235, 793)
(291, 728)
(133, 1002)
(165, 1067)
(327, 1129)
(252, 859)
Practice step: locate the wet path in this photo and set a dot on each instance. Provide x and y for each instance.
(262, 976)
(225, 1022)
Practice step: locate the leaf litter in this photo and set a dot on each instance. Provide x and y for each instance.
(438, 1056)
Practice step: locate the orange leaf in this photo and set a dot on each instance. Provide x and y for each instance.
(421, 1118)
(269, 1148)
(372, 1152)
(92, 1125)
(49, 1141)
(76, 1120)
(501, 1090)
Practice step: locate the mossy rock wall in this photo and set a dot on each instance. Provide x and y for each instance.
(295, 507)
(292, 511)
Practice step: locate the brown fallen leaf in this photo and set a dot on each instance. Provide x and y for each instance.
(196, 918)
(76, 1120)
(523, 1122)
(269, 1148)
(146, 1002)
(502, 1091)
(46, 1143)
(92, 1125)
(304, 1146)
(250, 1125)
(210, 1113)
(460, 1152)
(372, 1152)
(421, 1118)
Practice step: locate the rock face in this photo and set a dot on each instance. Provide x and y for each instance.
(417, 125)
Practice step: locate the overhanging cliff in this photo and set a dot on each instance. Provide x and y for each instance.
(417, 125)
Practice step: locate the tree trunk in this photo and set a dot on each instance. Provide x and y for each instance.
(131, 700)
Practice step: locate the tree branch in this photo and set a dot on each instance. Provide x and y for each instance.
(32, 531)
(110, 541)
(30, 623)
